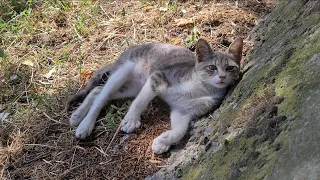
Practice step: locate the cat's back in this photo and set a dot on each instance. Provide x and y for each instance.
(158, 56)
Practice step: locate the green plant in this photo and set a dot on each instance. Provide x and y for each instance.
(115, 114)
(173, 6)
(191, 41)
(3, 62)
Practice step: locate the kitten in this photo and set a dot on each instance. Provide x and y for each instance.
(192, 85)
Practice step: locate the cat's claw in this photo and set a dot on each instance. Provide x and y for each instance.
(85, 129)
(130, 123)
(158, 145)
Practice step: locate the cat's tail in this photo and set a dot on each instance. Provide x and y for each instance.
(97, 78)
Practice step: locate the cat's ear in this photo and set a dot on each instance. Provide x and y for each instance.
(203, 50)
(235, 48)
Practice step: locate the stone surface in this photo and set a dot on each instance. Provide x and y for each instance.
(269, 125)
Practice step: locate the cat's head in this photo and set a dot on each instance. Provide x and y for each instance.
(217, 68)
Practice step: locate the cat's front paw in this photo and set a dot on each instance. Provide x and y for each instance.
(160, 145)
(130, 123)
(77, 117)
(85, 128)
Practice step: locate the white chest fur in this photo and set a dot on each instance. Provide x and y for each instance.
(183, 93)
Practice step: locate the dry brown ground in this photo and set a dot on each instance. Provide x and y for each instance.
(73, 39)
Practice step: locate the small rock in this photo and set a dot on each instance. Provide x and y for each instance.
(125, 138)
(13, 77)
(163, 9)
(3, 116)
(117, 148)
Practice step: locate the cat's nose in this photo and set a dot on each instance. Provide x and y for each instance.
(222, 78)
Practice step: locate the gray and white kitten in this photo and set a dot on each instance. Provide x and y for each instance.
(192, 85)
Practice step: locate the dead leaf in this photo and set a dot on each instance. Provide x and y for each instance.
(155, 161)
(184, 22)
(49, 74)
(147, 9)
(28, 62)
(85, 74)
(163, 9)
(68, 49)
(85, 77)
(177, 41)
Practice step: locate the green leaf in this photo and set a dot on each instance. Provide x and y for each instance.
(2, 54)
(29, 10)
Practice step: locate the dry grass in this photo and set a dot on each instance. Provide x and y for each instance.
(51, 46)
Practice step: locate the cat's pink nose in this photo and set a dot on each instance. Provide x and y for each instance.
(222, 78)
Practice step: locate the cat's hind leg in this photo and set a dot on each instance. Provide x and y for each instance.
(95, 80)
(83, 109)
(179, 126)
(114, 83)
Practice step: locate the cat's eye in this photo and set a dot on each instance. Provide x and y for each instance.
(230, 68)
(212, 67)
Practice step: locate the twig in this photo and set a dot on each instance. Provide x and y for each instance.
(114, 136)
(102, 151)
(41, 145)
(134, 29)
(75, 29)
(69, 170)
(14, 41)
(111, 35)
(53, 119)
(106, 162)
(48, 162)
(74, 152)
(164, 166)
(37, 158)
(104, 11)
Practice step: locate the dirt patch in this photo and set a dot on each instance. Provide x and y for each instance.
(61, 20)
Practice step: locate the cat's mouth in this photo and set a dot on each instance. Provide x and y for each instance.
(221, 84)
